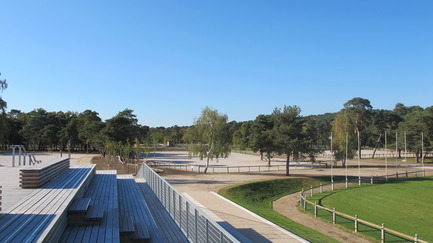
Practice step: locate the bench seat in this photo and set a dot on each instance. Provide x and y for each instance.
(42, 214)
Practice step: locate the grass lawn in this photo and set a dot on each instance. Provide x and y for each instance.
(258, 197)
(404, 206)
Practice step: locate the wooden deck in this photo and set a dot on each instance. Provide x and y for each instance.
(132, 206)
(169, 229)
(103, 193)
(41, 217)
(37, 175)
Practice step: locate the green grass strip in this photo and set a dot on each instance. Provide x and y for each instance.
(258, 197)
(403, 206)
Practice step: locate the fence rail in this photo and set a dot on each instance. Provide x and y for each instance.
(233, 169)
(195, 224)
(347, 183)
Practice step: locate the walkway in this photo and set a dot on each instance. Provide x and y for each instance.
(201, 189)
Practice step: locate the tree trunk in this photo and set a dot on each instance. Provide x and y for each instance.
(376, 146)
(288, 165)
(207, 165)
(269, 159)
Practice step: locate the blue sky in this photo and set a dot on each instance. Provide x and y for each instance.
(167, 60)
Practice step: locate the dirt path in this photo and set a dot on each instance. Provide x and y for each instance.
(287, 206)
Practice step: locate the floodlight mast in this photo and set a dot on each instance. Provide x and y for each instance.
(422, 152)
(359, 161)
(386, 160)
(332, 162)
(347, 135)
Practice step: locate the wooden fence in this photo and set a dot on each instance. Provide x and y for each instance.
(345, 184)
(232, 169)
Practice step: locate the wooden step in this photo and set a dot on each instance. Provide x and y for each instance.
(79, 206)
(127, 229)
(141, 233)
(95, 213)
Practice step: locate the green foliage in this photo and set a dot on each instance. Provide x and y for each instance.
(263, 136)
(258, 197)
(211, 136)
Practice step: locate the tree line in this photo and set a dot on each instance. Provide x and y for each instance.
(283, 132)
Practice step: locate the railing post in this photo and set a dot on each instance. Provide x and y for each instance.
(416, 238)
(311, 190)
(315, 209)
(332, 184)
(356, 223)
(187, 218)
(383, 233)
(196, 225)
(321, 188)
(334, 216)
(372, 180)
(347, 183)
(180, 212)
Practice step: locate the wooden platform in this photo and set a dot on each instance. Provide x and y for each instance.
(37, 175)
(41, 217)
(103, 193)
(133, 207)
(169, 229)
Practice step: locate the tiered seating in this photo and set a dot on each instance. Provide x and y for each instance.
(170, 230)
(136, 221)
(37, 175)
(42, 215)
(97, 219)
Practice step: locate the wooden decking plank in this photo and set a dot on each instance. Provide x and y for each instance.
(171, 232)
(102, 193)
(37, 213)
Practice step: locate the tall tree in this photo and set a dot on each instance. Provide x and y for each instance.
(263, 137)
(89, 125)
(290, 137)
(212, 136)
(3, 105)
(343, 128)
(359, 110)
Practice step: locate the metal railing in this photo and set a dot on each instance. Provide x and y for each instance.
(195, 224)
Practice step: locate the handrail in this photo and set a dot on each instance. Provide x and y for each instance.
(197, 226)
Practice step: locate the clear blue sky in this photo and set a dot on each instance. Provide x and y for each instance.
(167, 60)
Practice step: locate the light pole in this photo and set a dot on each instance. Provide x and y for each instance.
(422, 152)
(359, 161)
(332, 166)
(386, 161)
(347, 135)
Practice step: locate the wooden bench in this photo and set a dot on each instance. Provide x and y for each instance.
(41, 217)
(137, 223)
(37, 175)
(170, 231)
(103, 206)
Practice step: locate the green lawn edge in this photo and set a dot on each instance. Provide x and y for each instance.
(369, 232)
(258, 196)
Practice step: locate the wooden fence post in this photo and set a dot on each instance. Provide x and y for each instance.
(321, 188)
(334, 216)
(372, 180)
(356, 223)
(416, 238)
(315, 209)
(383, 233)
(311, 190)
